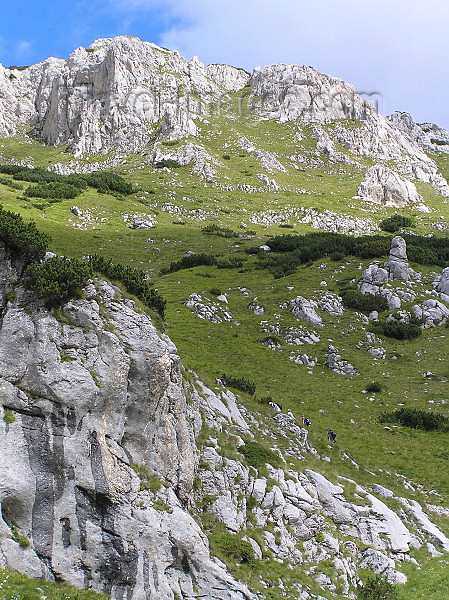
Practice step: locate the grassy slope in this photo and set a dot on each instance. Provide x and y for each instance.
(14, 586)
(384, 456)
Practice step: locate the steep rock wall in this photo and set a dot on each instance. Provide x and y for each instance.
(84, 398)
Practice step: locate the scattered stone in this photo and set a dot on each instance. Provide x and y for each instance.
(337, 364)
(304, 310)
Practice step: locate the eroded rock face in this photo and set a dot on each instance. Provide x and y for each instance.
(384, 186)
(373, 279)
(109, 95)
(91, 396)
(397, 266)
(430, 136)
(122, 94)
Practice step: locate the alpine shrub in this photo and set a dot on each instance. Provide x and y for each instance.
(373, 387)
(376, 588)
(417, 419)
(53, 190)
(257, 455)
(189, 261)
(22, 238)
(240, 383)
(58, 279)
(364, 303)
(234, 547)
(395, 222)
(107, 182)
(398, 330)
(135, 281)
(170, 163)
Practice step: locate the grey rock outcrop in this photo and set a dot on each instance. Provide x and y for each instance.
(90, 397)
(118, 93)
(187, 154)
(384, 186)
(432, 312)
(441, 283)
(430, 136)
(373, 279)
(207, 309)
(230, 78)
(397, 266)
(305, 310)
(122, 94)
(337, 364)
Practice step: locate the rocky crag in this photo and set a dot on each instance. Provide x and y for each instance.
(102, 470)
(123, 94)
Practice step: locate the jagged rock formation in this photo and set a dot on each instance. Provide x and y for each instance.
(373, 279)
(91, 396)
(117, 93)
(430, 136)
(397, 265)
(384, 186)
(441, 284)
(122, 94)
(304, 310)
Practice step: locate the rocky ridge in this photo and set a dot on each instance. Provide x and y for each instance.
(123, 94)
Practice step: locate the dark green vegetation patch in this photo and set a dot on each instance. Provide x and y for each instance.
(417, 418)
(295, 250)
(258, 455)
(58, 279)
(395, 222)
(135, 280)
(23, 239)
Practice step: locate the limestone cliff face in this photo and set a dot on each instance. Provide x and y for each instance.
(82, 399)
(122, 94)
(117, 93)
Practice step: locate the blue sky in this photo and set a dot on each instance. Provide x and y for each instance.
(396, 47)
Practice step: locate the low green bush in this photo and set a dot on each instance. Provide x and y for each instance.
(417, 419)
(53, 190)
(364, 303)
(220, 231)
(240, 383)
(257, 455)
(103, 181)
(12, 184)
(373, 387)
(230, 263)
(234, 547)
(397, 329)
(394, 223)
(107, 182)
(376, 588)
(170, 163)
(135, 281)
(23, 239)
(58, 279)
(189, 261)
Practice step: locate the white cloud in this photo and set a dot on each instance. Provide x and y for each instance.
(399, 48)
